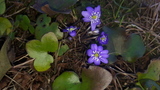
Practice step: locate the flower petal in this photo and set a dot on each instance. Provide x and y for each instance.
(100, 48)
(97, 9)
(89, 52)
(93, 25)
(90, 60)
(97, 62)
(104, 60)
(90, 9)
(85, 13)
(73, 33)
(94, 47)
(104, 55)
(104, 52)
(65, 30)
(86, 19)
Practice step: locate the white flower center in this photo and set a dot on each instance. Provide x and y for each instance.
(103, 38)
(94, 17)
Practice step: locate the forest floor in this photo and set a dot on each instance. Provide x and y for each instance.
(142, 18)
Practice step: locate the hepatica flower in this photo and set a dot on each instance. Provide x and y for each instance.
(103, 38)
(71, 30)
(93, 16)
(97, 54)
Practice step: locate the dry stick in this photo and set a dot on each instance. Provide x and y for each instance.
(118, 83)
(14, 81)
(152, 50)
(124, 73)
(15, 12)
(22, 57)
(154, 34)
(23, 63)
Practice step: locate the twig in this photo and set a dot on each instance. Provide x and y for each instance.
(14, 81)
(23, 63)
(16, 12)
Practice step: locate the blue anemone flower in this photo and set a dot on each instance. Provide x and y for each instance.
(103, 38)
(71, 30)
(97, 54)
(93, 16)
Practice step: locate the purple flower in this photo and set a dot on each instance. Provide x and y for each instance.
(103, 38)
(71, 30)
(93, 16)
(97, 54)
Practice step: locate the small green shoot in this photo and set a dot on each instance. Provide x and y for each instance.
(5, 26)
(3, 6)
(23, 22)
(63, 49)
(39, 51)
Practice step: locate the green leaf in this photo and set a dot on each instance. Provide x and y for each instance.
(116, 42)
(134, 48)
(4, 60)
(153, 71)
(148, 84)
(39, 50)
(23, 22)
(130, 48)
(65, 81)
(43, 27)
(62, 6)
(63, 49)
(94, 78)
(5, 26)
(3, 6)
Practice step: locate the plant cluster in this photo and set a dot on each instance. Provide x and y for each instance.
(47, 47)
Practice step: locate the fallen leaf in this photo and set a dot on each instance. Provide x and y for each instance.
(4, 60)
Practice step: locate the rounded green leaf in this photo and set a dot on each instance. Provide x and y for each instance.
(3, 6)
(43, 20)
(65, 81)
(134, 48)
(116, 42)
(93, 78)
(39, 50)
(5, 26)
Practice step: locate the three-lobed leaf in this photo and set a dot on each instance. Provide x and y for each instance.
(148, 78)
(39, 50)
(153, 71)
(44, 26)
(92, 79)
(130, 48)
(23, 22)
